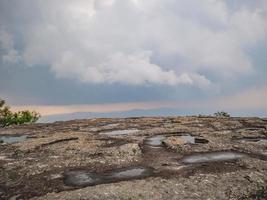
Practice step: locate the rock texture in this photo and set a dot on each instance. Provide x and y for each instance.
(35, 168)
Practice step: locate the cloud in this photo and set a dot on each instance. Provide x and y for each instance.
(9, 55)
(134, 42)
(250, 99)
(133, 69)
(253, 98)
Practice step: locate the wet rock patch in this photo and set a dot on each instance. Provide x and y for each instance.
(160, 140)
(212, 157)
(82, 178)
(9, 139)
(155, 141)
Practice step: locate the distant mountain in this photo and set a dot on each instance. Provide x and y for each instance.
(131, 113)
(145, 113)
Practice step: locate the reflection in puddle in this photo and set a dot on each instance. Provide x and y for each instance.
(129, 173)
(188, 139)
(81, 178)
(157, 141)
(212, 157)
(112, 125)
(120, 132)
(13, 139)
(193, 140)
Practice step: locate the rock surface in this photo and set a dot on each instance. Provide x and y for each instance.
(36, 167)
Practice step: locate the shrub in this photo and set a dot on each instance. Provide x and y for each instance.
(8, 118)
(221, 114)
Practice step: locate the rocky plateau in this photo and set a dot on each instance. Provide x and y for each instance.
(174, 158)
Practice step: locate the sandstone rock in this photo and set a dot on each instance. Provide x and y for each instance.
(174, 141)
(35, 168)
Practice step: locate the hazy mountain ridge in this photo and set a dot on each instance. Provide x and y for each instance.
(145, 113)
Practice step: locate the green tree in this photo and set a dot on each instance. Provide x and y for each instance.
(221, 114)
(8, 118)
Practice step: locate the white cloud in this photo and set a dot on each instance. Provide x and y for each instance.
(132, 41)
(134, 69)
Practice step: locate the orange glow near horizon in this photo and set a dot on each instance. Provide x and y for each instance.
(249, 99)
(45, 110)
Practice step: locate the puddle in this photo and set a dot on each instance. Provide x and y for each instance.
(12, 139)
(252, 139)
(120, 132)
(157, 141)
(212, 157)
(82, 178)
(112, 125)
(130, 173)
(193, 140)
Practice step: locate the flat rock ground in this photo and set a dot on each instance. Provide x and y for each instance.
(36, 167)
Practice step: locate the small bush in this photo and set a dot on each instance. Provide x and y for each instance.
(8, 118)
(221, 114)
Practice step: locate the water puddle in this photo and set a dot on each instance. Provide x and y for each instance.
(112, 125)
(157, 141)
(120, 132)
(212, 157)
(12, 139)
(134, 172)
(193, 140)
(82, 178)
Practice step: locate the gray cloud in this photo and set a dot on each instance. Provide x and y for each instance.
(130, 41)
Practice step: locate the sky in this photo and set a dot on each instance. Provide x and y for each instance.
(114, 55)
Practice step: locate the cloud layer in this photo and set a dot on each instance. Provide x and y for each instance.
(251, 99)
(134, 42)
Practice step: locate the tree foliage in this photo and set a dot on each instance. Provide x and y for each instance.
(221, 114)
(7, 117)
